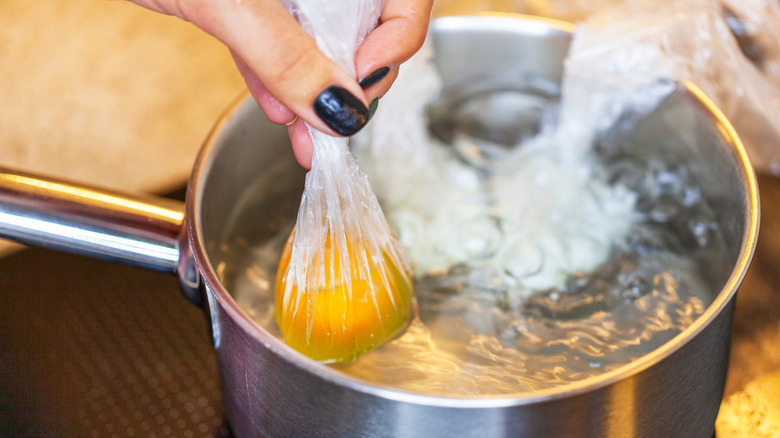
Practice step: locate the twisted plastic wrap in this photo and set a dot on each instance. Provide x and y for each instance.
(343, 285)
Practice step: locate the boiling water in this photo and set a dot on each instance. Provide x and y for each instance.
(473, 336)
(544, 252)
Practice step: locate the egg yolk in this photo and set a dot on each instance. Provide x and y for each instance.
(353, 313)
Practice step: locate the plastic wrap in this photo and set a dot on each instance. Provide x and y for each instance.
(729, 48)
(489, 217)
(343, 285)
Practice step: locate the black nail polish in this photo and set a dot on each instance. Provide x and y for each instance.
(372, 108)
(371, 80)
(340, 110)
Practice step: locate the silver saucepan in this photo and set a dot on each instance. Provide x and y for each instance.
(270, 390)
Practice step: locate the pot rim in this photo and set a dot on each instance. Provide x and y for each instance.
(278, 347)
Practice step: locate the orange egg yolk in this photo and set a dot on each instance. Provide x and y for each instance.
(353, 313)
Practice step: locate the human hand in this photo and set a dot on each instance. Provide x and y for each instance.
(289, 77)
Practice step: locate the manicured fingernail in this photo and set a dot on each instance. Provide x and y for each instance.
(340, 110)
(371, 80)
(372, 108)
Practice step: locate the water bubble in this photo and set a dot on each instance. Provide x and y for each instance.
(627, 173)
(576, 282)
(691, 196)
(510, 334)
(645, 205)
(664, 209)
(479, 236)
(671, 182)
(520, 258)
(635, 287)
(701, 226)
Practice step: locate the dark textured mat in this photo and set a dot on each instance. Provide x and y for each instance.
(89, 348)
(96, 349)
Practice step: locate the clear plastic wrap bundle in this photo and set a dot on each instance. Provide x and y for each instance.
(344, 284)
(728, 48)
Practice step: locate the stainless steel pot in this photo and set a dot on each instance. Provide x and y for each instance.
(270, 390)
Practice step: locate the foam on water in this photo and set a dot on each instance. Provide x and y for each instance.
(528, 204)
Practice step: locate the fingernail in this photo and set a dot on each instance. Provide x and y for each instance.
(372, 108)
(340, 110)
(371, 80)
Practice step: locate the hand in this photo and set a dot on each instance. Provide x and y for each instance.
(288, 75)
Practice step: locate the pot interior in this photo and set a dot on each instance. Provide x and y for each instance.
(250, 185)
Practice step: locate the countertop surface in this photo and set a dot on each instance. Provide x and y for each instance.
(107, 93)
(751, 407)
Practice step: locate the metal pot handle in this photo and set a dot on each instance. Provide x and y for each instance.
(135, 230)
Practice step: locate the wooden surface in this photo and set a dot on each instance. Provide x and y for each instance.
(751, 407)
(106, 92)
